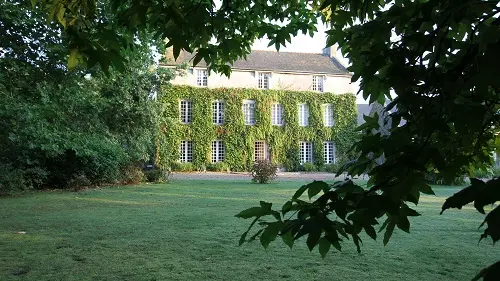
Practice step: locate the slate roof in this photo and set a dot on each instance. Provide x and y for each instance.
(281, 62)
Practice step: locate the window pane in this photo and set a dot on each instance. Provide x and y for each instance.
(249, 112)
(201, 77)
(186, 111)
(277, 114)
(186, 151)
(260, 151)
(218, 112)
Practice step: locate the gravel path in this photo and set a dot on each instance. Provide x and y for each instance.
(284, 176)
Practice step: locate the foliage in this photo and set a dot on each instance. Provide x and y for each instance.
(309, 167)
(283, 141)
(438, 58)
(331, 168)
(183, 167)
(263, 171)
(60, 129)
(155, 175)
(218, 167)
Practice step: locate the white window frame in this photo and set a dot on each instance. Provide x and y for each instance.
(263, 146)
(248, 109)
(202, 77)
(218, 151)
(306, 150)
(186, 111)
(277, 114)
(186, 151)
(303, 115)
(328, 120)
(329, 152)
(218, 108)
(318, 83)
(264, 80)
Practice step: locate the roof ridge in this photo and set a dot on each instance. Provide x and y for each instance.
(293, 52)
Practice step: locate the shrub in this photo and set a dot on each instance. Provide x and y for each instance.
(218, 167)
(331, 168)
(155, 175)
(484, 173)
(309, 167)
(436, 178)
(132, 175)
(263, 171)
(495, 171)
(183, 167)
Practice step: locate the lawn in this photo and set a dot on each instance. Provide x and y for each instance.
(186, 230)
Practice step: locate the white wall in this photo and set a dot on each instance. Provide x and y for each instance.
(338, 84)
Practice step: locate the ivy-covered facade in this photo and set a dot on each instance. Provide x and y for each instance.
(233, 127)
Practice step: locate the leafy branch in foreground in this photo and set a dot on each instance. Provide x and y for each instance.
(339, 211)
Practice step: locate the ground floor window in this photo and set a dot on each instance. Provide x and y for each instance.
(186, 151)
(260, 151)
(305, 152)
(218, 152)
(329, 152)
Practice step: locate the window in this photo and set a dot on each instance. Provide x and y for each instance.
(186, 111)
(328, 115)
(249, 112)
(202, 77)
(277, 114)
(264, 79)
(218, 151)
(318, 83)
(305, 152)
(329, 152)
(186, 151)
(218, 112)
(303, 115)
(260, 151)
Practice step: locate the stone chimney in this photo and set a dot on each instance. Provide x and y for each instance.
(330, 51)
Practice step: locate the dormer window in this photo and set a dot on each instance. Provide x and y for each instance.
(264, 80)
(318, 83)
(202, 77)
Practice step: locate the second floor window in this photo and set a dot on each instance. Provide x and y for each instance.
(277, 114)
(303, 115)
(328, 115)
(218, 112)
(186, 111)
(264, 79)
(318, 83)
(202, 77)
(249, 112)
(186, 151)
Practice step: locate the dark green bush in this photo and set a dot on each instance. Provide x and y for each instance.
(218, 167)
(331, 168)
(263, 171)
(183, 167)
(132, 175)
(155, 175)
(309, 167)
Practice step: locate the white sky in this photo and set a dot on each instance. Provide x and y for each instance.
(306, 44)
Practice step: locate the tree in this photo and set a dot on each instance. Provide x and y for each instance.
(439, 58)
(68, 129)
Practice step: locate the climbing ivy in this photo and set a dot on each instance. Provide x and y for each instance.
(283, 141)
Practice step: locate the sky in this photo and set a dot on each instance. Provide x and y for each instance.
(306, 44)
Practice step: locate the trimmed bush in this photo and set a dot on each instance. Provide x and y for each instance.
(309, 167)
(183, 167)
(263, 171)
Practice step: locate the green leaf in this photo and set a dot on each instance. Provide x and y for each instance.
(288, 239)
(270, 233)
(314, 236)
(242, 238)
(315, 187)
(370, 230)
(324, 246)
(426, 189)
(299, 192)
(73, 59)
(404, 224)
(388, 232)
(250, 212)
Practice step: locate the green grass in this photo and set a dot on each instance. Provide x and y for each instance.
(186, 230)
